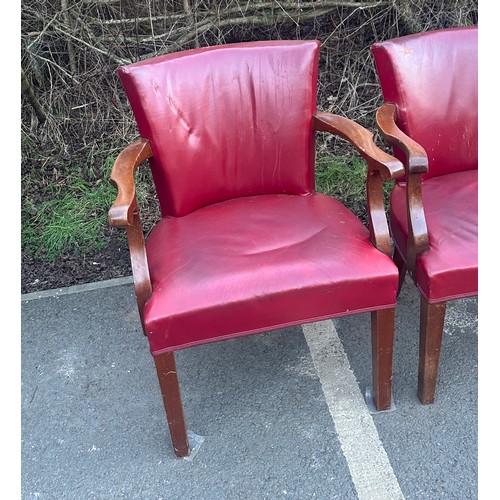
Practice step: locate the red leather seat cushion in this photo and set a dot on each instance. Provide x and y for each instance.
(259, 263)
(449, 269)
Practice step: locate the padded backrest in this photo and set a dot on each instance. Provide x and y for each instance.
(432, 78)
(227, 121)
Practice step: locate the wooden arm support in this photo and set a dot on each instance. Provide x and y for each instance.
(416, 156)
(362, 139)
(416, 165)
(125, 213)
(122, 177)
(381, 166)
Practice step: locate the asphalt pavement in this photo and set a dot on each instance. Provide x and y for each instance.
(279, 415)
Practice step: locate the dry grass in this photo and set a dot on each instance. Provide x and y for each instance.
(70, 52)
(75, 114)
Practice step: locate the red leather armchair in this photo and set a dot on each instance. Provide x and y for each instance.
(430, 117)
(245, 244)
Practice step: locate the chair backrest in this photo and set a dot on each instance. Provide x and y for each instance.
(432, 78)
(227, 121)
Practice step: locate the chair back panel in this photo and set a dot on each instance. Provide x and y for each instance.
(433, 79)
(227, 121)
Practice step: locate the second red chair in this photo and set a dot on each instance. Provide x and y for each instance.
(430, 86)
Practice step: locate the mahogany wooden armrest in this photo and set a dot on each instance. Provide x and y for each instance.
(362, 139)
(125, 213)
(416, 165)
(122, 211)
(416, 157)
(381, 166)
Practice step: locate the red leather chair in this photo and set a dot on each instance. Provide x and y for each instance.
(429, 85)
(245, 244)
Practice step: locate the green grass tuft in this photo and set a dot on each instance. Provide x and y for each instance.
(74, 220)
(341, 177)
(73, 217)
(344, 178)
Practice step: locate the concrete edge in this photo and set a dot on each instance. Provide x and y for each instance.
(86, 287)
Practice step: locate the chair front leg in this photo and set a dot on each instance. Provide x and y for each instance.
(170, 391)
(382, 349)
(431, 336)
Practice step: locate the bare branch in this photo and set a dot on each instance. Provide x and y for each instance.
(71, 53)
(118, 60)
(27, 90)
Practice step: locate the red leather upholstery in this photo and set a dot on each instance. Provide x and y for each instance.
(450, 269)
(433, 79)
(313, 259)
(215, 134)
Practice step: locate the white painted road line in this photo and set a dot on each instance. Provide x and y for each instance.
(370, 469)
(86, 287)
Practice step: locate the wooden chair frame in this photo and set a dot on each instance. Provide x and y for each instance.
(125, 213)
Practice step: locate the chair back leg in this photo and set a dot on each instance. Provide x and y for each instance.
(431, 336)
(170, 391)
(401, 265)
(382, 348)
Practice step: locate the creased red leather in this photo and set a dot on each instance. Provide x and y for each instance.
(432, 77)
(227, 121)
(450, 269)
(258, 263)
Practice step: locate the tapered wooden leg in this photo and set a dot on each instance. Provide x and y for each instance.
(431, 335)
(170, 391)
(401, 265)
(382, 349)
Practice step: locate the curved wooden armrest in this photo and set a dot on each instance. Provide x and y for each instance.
(416, 165)
(416, 157)
(381, 166)
(121, 212)
(125, 213)
(362, 139)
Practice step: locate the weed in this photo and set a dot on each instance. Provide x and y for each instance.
(72, 215)
(344, 178)
(74, 220)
